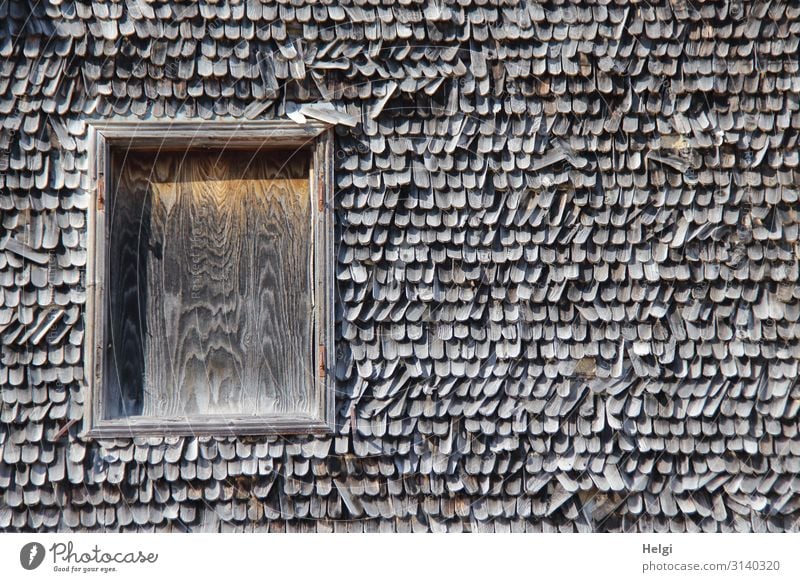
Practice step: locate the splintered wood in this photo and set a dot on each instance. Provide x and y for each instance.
(210, 285)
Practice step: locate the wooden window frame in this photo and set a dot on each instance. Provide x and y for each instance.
(204, 135)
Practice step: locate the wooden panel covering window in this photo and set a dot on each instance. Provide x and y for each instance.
(210, 284)
(210, 316)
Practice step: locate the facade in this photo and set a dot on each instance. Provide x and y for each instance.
(565, 249)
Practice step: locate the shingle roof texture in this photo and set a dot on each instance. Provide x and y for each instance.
(566, 262)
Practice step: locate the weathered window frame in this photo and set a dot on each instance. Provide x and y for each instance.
(246, 135)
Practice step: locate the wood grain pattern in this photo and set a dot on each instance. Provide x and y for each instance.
(210, 285)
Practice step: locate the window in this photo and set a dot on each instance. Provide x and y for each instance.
(211, 269)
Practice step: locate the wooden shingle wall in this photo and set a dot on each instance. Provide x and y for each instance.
(566, 253)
